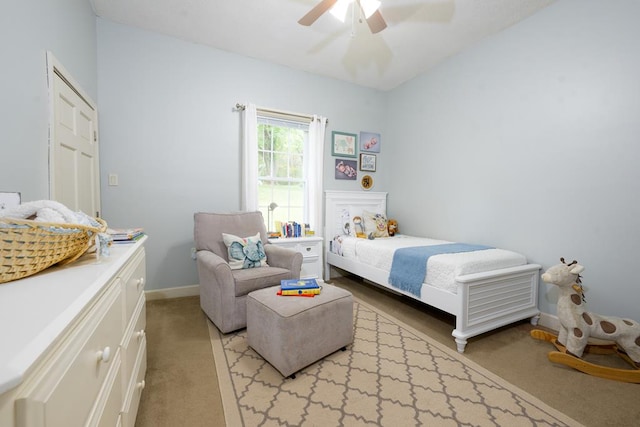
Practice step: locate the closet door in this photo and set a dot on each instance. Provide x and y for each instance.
(74, 166)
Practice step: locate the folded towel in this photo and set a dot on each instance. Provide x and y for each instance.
(48, 211)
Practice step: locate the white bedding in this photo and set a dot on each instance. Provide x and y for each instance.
(442, 270)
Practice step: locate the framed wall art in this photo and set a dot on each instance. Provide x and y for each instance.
(344, 144)
(367, 162)
(366, 182)
(370, 142)
(346, 169)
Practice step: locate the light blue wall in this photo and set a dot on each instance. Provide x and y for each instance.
(530, 141)
(527, 141)
(169, 132)
(67, 28)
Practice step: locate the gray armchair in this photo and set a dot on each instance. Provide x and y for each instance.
(223, 291)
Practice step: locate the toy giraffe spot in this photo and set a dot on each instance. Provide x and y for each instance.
(638, 341)
(587, 319)
(608, 327)
(577, 332)
(628, 322)
(575, 298)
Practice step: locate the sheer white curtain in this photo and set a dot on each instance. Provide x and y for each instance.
(315, 176)
(250, 159)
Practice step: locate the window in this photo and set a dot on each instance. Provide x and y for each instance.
(283, 153)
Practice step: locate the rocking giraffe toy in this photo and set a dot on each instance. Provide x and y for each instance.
(578, 324)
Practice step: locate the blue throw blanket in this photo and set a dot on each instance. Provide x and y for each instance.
(409, 267)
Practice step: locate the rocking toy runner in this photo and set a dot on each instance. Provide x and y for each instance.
(577, 325)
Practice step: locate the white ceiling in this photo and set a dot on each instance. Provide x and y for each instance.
(420, 33)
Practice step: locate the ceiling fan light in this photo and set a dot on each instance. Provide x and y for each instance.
(339, 10)
(369, 7)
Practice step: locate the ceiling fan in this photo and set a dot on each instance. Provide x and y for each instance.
(338, 8)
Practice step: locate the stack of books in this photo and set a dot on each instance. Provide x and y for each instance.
(125, 235)
(299, 287)
(290, 229)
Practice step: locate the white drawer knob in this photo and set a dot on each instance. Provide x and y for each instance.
(140, 283)
(104, 355)
(140, 334)
(141, 385)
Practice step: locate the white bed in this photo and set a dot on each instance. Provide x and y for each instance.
(484, 290)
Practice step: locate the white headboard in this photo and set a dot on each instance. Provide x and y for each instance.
(336, 201)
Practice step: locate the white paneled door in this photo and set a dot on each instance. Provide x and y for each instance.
(74, 168)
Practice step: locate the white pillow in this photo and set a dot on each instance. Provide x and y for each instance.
(375, 224)
(245, 252)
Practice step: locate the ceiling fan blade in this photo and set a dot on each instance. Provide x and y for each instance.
(376, 22)
(316, 12)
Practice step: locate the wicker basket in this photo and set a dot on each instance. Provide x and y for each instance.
(28, 247)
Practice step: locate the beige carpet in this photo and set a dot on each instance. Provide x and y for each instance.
(392, 375)
(182, 385)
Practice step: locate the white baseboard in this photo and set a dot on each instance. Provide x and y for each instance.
(166, 293)
(549, 321)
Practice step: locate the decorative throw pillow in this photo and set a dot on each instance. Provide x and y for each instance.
(247, 252)
(375, 224)
(345, 223)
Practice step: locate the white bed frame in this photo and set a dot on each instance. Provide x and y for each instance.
(484, 301)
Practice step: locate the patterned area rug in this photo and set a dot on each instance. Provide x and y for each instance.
(392, 375)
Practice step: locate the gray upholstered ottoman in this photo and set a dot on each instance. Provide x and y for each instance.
(294, 332)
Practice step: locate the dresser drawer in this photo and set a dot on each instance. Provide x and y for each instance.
(133, 279)
(309, 271)
(136, 386)
(107, 410)
(309, 250)
(134, 339)
(69, 384)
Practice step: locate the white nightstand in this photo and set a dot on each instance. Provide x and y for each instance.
(311, 250)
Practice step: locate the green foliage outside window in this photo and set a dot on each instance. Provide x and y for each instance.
(281, 177)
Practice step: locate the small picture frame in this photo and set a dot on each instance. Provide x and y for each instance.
(366, 182)
(344, 144)
(367, 162)
(9, 200)
(346, 169)
(370, 142)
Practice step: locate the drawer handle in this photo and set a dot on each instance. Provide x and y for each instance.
(140, 334)
(104, 355)
(308, 249)
(141, 385)
(140, 283)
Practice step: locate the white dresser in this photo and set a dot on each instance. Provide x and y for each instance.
(73, 346)
(311, 250)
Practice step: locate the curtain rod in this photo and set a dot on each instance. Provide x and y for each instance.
(241, 107)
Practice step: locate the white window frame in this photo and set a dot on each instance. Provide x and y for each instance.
(294, 121)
